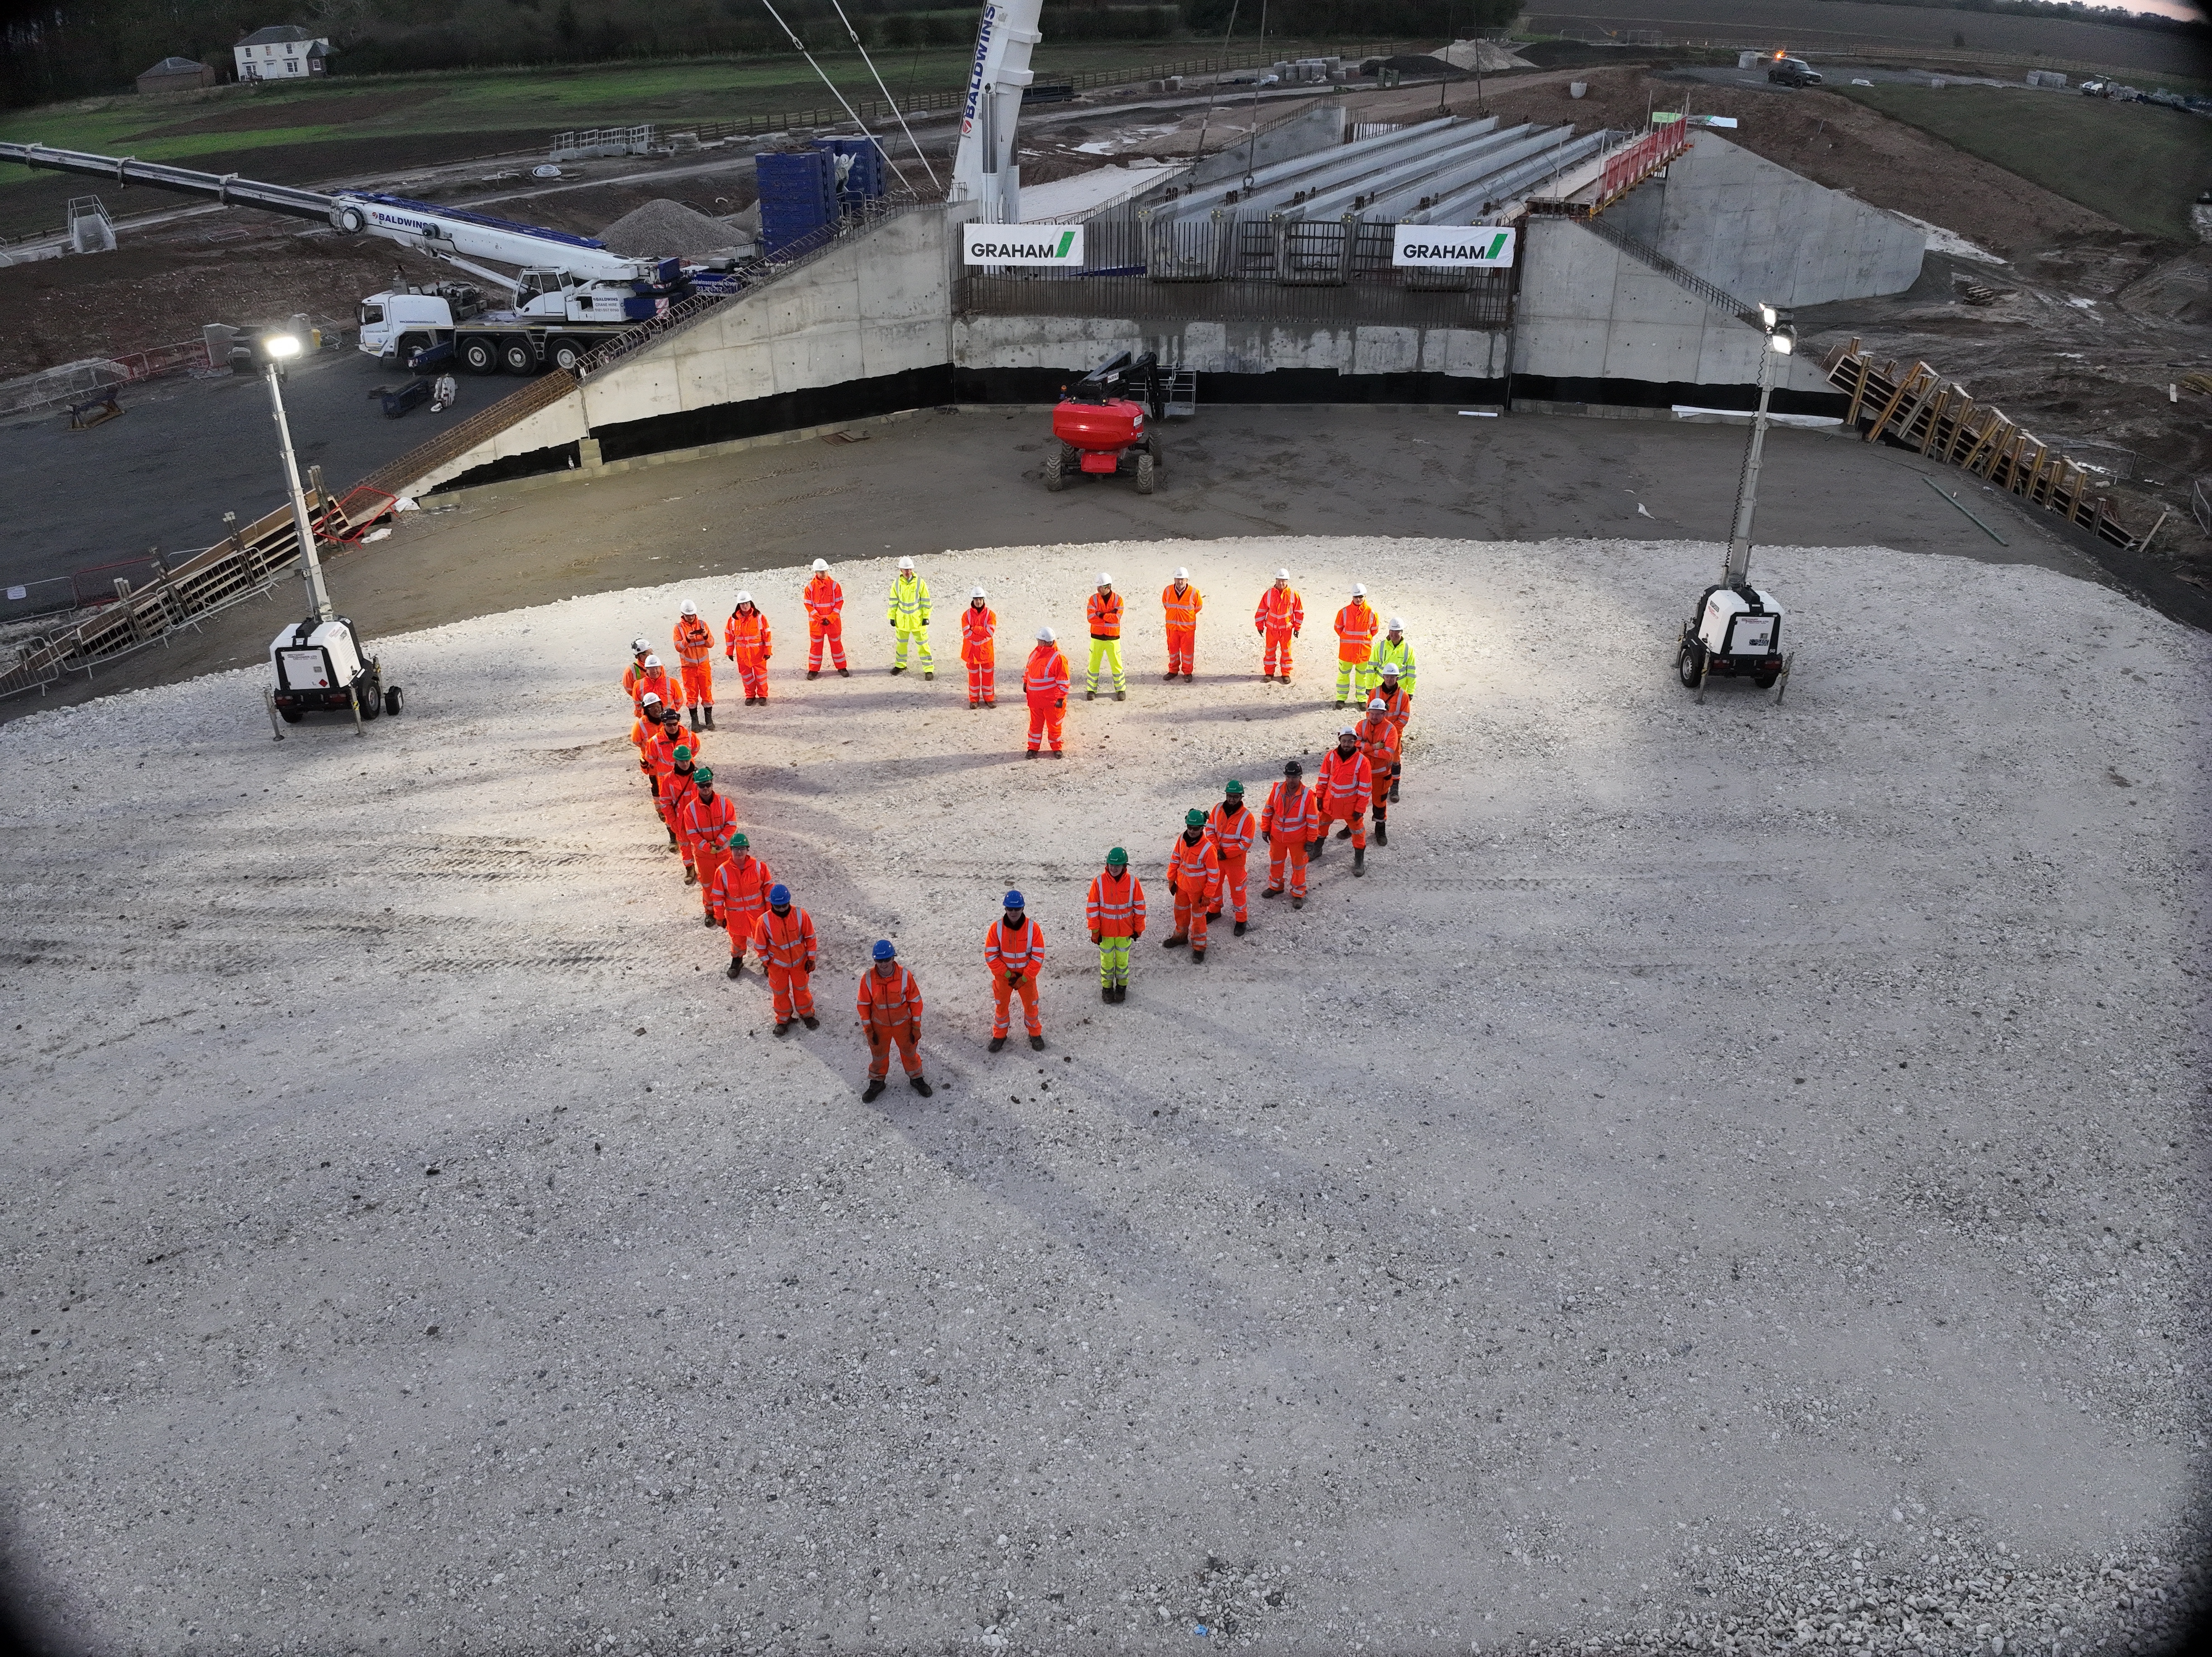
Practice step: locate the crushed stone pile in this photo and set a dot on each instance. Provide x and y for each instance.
(1488, 56)
(662, 226)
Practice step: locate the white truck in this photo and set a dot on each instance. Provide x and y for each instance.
(567, 294)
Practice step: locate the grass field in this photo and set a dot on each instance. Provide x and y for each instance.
(2137, 163)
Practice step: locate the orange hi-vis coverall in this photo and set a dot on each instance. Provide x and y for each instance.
(1194, 878)
(1103, 615)
(634, 687)
(1358, 628)
(978, 630)
(1116, 912)
(741, 892)
(1378, 740)
(1016, 955)
(745, 641)
(655, 679)
(825, 619)
(1288, 823)
(1279, 617)
(1182, 610)
(705, 829)
(1232, 838)
(1399, 705)
(1341, 791)
(694, 649)
(889, 1007)
(659, 754)
(1044, 681)
(785, 944)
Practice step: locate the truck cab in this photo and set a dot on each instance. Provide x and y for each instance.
(427, 313)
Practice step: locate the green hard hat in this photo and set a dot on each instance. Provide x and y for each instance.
(704, 774)
(1235, 786)
(682, 752)
(1117, 859)
(1193, 818)
(740, 843)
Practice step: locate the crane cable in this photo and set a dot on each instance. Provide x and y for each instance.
(1198, 150)
(888, 99)
(800, 46)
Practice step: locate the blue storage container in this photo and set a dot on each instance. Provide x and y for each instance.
(798, 195)
(860, 169)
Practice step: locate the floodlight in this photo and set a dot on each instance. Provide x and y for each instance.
(281, 347)
(1767, 316)
(1784, 345)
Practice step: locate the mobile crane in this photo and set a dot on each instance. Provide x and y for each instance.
(568, 294)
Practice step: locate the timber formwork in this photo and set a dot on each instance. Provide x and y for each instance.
(1919, 409)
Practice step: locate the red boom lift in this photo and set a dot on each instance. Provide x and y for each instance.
(1099, 426)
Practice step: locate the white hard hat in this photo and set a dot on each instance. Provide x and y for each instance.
(1282, 575)
(906, 563)
(639, 646)
(1397, 625)
(1104, 580)
(1349, 731)
(1181, 573)
(649, 696)
(1378, 706)
(1045, 635)
(977, 593)
(1358, 590)
(821, 566)
(653, 661)
(1390, 670)
(744, 596)
(686, 608)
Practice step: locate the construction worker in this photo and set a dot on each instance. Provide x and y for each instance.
(1288, 823)
(633, 686)
(1280, 617)
(1398, 703)
(1182, 602)
(783, 938)
(1357, 628)
(677, 784)
(889, 1007)
(1044, 683)
(825, 621)
(1014, 948)
(739, 892)
(1116, 911)
(708, 819)
(694, 652)
(746, 641)
(1340, 793)
(909, 615)
(659, 750)
(1232, 829)
(979, 632)
(654, 677)
(1391, 651)
(1194, 881)
(1103, 613)
(1378, 740)
(643, 730)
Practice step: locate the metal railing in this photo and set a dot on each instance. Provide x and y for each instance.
(1719, 297)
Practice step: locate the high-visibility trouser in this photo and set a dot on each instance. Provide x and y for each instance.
(1288, 849)
(752, 669)
(1279, 640)
(1190, 912)
(1350, 671)
(1003, 993)
(919, 633)
(1109, 651)
(881, 1038)
(983, 676)
(740, 925)
(1112, 961)
(1370, 676)
(793, 988)
(1232, 884)
(698, 684)
(818, 630)
(1182, 650)
(1356, 817)
(1382, 801)
(710, 859)
(1045, 722)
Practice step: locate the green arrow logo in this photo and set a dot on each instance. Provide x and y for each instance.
(1495, 245)
(1066, 239)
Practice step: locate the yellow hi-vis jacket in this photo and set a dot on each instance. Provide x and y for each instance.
(910, 606)
(1400, 655)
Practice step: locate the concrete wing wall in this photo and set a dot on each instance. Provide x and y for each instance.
(1078, 344)
(1766, 234)
(1588, 311)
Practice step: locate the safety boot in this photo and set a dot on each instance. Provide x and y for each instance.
(920, 1086)
(1267, 891)
(897, 668)
(1032, 755)
(1120, 696)
(1267, 678)
(1299, 901)
(737, 965)
(813, 672)
(874, 1089)
(1197, 957)
(1176, 942)
(1058, 754)
(1090, 695)
(927, 673)
(709, 711)
(1345, 832)
(1165, 677)
(844, 673)
(1240, 929)
(1186, 678)
(1106, 993)
(690, 876)
(1037, 1044)
(810, 1021)
(781, 1026)
(1315, 849)
(1340, 702)
(995, 1044)
(1360, 860)
(1381, 832)
(692, 713)
(1121, 992)
(1394, 792)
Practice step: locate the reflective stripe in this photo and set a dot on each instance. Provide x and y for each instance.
(742, 884)
(1357, 626)
(700, 819)
(1231, 839)
(1345, 783)
(1116, 908)
(1103, 613)
(1291, 808)
(1199, 866)
(825, 597)
(1280, 612)
(695, 640)
(1014, 952)
(1181, 611)
(1401, 654)
(909, 599)
(746, 635)
(785, 940)
(892, 1002)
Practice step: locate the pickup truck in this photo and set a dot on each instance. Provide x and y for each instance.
(1792, 72)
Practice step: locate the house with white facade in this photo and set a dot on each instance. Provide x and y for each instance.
(283, 51)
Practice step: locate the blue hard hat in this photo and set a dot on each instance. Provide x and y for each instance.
(1013, 899)
(884, 950)
(779, 894)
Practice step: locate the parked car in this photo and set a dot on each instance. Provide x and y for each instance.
(1792, 72)
(2096, 89)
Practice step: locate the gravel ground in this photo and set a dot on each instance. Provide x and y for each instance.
(1726, 1178)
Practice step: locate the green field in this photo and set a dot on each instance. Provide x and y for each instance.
(2137, 163)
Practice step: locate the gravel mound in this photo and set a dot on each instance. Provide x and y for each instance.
(662, 226)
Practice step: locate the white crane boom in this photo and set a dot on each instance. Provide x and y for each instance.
(984, 168)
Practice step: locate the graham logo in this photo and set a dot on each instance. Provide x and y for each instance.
(1023, 244)
(1452, 246)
